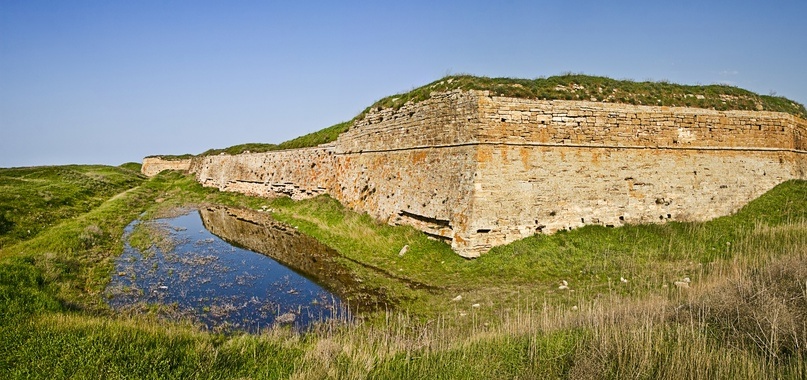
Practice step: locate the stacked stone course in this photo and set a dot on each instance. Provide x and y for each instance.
(477, 170)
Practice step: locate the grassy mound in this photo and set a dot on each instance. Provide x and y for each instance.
(602, 89)
(34, 199)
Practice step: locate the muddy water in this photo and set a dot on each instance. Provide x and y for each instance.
(235, 269)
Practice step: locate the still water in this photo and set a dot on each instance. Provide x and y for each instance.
(224, 285)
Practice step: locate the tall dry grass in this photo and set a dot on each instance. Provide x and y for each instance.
(743, 318)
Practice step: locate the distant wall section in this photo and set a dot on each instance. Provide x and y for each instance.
(154, 165)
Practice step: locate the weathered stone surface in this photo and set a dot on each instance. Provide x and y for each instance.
(478, 171)
(154, 165)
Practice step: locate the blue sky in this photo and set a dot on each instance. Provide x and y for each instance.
(112, 81)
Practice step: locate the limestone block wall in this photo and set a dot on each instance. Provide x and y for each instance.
(154, 165)
(450, 118)
(478, 171)
(422, 186)
(427, 188)
(522, 191)
(299, 173)
(510, 120)
(544, 166)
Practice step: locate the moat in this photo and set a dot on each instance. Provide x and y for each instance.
(230, 269)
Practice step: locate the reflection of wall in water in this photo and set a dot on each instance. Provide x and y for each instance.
(258, 232)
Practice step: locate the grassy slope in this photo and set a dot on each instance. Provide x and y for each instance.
(54, 324)
(565, 87)
(34, 199)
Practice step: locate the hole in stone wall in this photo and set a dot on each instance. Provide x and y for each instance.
(582, 220)
(552, 213)
(609, 225)
(621, 218)
(483, 230)
(661, 217)
(669, 216)
(503, 120)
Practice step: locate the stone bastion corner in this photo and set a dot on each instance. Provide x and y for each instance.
(477, 171)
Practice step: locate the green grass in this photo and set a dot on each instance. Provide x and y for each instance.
(132, 166)
(55, 324)
(593, 257)
(323, 136)
(179, 157)
(34, 199)
(586, 87)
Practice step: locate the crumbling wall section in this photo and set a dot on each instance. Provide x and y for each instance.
(297, 173)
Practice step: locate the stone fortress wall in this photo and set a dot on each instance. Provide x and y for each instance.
(153, 165)
(477, 170)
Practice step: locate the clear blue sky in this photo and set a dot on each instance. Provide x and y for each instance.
(113, 81)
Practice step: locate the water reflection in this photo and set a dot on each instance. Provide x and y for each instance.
(221, 282)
